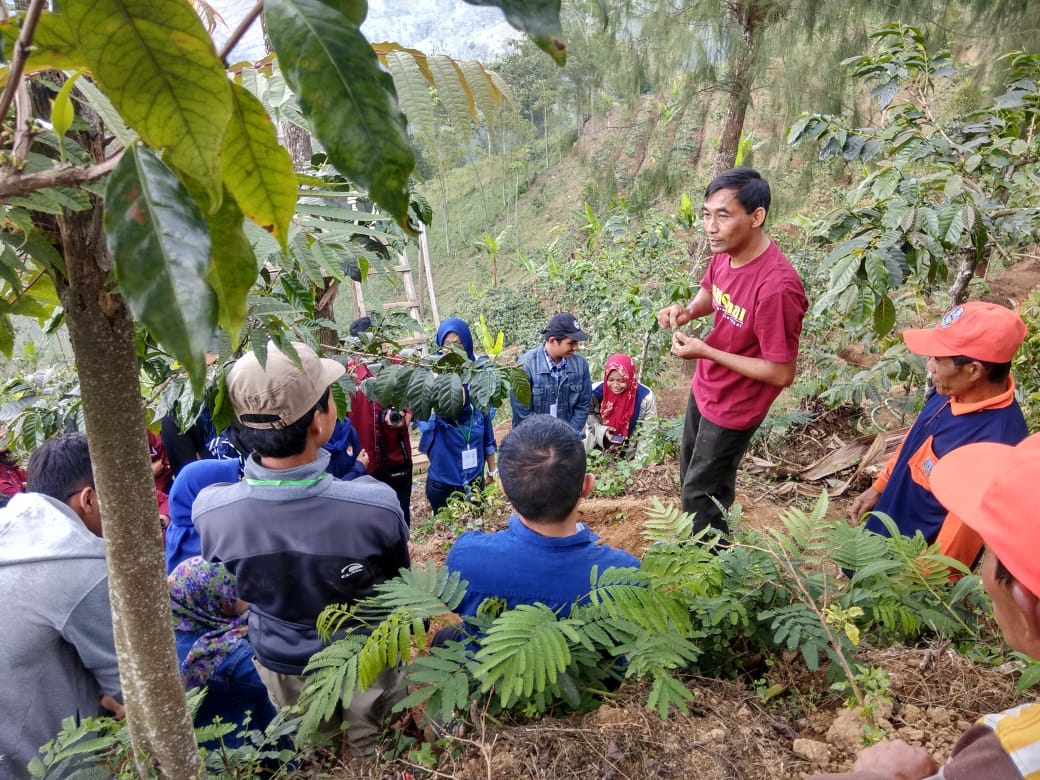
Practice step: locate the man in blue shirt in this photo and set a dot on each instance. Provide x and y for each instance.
(561, 385)
(545, 556)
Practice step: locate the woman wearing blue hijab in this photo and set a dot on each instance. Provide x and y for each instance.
(182, 540)
(459, 449)
(463, 338)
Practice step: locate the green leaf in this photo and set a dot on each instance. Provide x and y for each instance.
(481, 87)
(62, 112)
(53, 46)
(454, 94)
(354, 10)
(233, 267)
(155, 61)
(258, 170)
(540, 19)
(884, 316)
(413, 92)
(161, 245)
(447, 396)
(348, 97)
(6, 336)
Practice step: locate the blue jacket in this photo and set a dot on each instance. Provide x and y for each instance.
(343, 447)
(182, 540)
(943, 425)
(524, 567)
(443, 442)
(572, 395)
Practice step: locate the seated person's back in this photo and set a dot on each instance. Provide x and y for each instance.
(546, 555)
(210, 629)
(296, 538)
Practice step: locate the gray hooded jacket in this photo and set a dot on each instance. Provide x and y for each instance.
(57, 655)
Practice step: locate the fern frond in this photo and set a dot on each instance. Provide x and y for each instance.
(671, 565)
(807, 532)
(668, 524)
(332, 676)
(441, 681)
(426, 591)
(629, 595)
(667, 692)
(524, 646)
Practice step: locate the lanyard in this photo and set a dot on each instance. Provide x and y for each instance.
(465, 436)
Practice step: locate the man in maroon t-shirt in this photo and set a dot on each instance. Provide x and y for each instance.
(757, 302)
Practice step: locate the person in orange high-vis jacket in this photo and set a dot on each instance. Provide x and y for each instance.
(972, 400)
(993, 487)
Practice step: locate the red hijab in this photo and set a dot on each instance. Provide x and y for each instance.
(617, 410)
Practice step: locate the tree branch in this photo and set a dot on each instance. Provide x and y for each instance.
(21, 52)
(244, 25)
(12, 182)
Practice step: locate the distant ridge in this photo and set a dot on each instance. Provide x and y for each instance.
(451, 27)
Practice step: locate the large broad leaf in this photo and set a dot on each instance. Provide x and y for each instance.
(481, 87)
(53, 46)
(454, 94)
(538, 18)
(414, 92)
(156, 63)
(233, 267)
(257, 169)
(350, 100)
(161, 247)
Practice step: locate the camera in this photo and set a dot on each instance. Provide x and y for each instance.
(393, 416)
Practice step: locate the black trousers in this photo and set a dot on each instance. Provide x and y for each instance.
(708, 461)
(402, 485)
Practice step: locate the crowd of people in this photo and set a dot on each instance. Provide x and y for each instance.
(299, 505)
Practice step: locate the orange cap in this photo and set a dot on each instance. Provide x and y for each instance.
(993, 489)
(979, 330)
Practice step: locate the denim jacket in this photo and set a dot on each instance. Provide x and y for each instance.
(572, 396)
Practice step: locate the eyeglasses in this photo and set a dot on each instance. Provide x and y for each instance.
(74, 493)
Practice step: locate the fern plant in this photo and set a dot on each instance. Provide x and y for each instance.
(690, 607)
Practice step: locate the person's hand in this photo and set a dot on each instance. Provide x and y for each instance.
(864, 502)
(363, 458)
(113, 706)
(687, 347)
(674, 316)
(897, 761)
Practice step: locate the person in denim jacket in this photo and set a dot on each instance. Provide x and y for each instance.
(561, 385)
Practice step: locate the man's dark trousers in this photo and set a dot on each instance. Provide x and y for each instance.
(708, 461)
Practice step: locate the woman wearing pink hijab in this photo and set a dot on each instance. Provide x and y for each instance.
(619, 404)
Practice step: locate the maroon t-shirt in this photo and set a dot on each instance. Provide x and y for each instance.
(758, 313)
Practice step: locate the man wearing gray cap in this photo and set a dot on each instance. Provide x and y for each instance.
(296, 538)
(561, 385)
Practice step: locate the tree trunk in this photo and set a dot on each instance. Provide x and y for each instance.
(739, 96)
(965, 273)
(298, 142)
(102, 334)
(325, 309)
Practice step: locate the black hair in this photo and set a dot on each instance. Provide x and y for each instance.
(360, 325)
(7, 459)
(996, 372)
(752, 190)
(282, 442)
(1002, 575)
(541, 464)
(60, 467)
